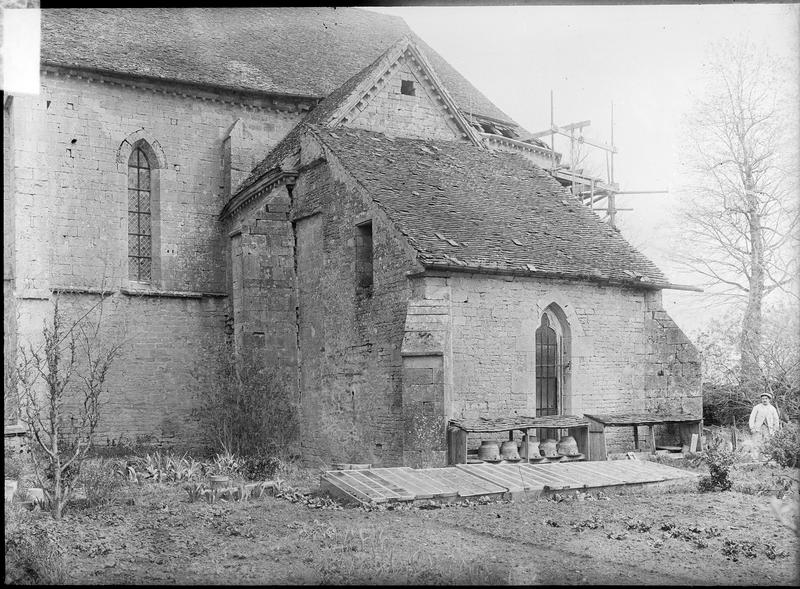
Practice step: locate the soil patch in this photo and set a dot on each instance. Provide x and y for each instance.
(673, 536)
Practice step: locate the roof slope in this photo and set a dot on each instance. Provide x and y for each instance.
(296, 51)
(465, 207)
(318, 116)
(325, 112)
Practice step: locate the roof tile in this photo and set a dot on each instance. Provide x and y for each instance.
(455, 193)
(303, 51)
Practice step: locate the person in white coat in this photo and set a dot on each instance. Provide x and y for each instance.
(764, 421)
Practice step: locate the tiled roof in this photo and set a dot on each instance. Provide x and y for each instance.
(466, 207)
(319, 115)
(297, 51)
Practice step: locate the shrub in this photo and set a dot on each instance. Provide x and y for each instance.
(100, 482)
(11, 467)
(227, 463)
(260, 468)
(32, 555)
(246, 408)
(720, 460)
(784, 446)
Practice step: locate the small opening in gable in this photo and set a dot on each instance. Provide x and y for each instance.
(407, 87)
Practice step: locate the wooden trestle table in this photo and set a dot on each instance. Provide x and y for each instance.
(459, 429)
(687, 425)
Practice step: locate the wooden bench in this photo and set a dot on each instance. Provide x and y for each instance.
(459, 430)
(687, 425)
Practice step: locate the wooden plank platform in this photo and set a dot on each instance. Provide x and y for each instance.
(467, 484)
(366, 486)
(619, 419)
(522, 422)
(381, 485)
(419, 483)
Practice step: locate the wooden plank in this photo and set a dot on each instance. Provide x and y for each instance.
(535, 478)
(641, 470)
(606, 479)
(467, 484)
(623, 475)
(456, 445)
(554, 128)
(497, 475)
(418, 491)
(549, 475)
(652, 439)
(393, 490)
(560, 472)
(341, 491)
(422, 486)
(621, 419)
(357, 494)
(433, 487)
(436, 486)
(522, 422)
(592, 477)
(531, 478)
(351, 482)
(370, 485)
(597, 446)
(581, 435)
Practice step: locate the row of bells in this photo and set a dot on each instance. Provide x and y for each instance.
(528, 448)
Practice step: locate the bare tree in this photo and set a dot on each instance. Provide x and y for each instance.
(60, 385)
(724, 399)
(741, 223)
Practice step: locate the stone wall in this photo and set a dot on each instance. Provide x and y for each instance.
(9, 304)
(619, 340)
(170, 346)
(75, 155)
(263, 301)
(66, 189)
(390, 111)
(350, 338)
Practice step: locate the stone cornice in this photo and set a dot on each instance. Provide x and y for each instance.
(176, 294)
(263, 186)
(136, 291)
(442, 269)
(221, 94)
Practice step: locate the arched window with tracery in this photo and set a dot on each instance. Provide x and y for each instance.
(140, 234)
(553, 352)
(547, 369)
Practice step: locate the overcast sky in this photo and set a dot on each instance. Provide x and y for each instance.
(646, 59)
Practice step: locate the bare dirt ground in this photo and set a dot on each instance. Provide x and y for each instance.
(672, 536)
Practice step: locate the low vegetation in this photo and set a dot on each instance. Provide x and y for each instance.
(134, 518)
(784, 446)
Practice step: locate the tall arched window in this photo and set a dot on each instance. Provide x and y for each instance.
(553, 350)
(140, 235)
(547, 369)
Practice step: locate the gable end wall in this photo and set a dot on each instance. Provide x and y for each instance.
(389, 111)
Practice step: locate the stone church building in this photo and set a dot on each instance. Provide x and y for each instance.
(324, 187)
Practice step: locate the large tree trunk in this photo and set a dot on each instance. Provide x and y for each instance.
(750, 341)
